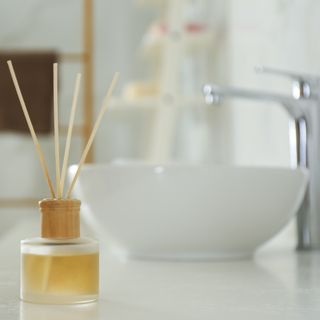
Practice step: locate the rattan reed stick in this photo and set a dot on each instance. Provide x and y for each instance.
(94, 131)
(69, 134)
(33, 134)
(56, 128)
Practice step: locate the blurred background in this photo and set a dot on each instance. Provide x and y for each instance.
(165, 52)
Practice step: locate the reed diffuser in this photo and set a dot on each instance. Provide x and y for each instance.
(60, 267)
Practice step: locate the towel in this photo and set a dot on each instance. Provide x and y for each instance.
(34, 72)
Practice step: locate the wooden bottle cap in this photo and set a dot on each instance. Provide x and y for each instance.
(60, 218)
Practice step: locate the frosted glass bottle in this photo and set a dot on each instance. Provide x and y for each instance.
(59, 267)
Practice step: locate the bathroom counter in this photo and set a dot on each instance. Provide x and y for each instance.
(277, 284)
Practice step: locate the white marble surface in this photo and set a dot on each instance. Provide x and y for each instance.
(277, 284)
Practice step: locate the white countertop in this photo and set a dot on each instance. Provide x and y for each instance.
(277, 284)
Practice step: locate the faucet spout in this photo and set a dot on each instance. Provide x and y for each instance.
(215, 94)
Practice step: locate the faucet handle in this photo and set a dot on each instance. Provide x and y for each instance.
(304, 86)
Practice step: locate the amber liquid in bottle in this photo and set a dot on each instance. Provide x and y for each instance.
(59, 271)
(60, 267)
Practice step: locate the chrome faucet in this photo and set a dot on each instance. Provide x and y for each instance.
(304, 108)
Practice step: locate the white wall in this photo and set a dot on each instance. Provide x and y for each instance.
(279, 33)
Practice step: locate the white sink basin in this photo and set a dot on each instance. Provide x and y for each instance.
(188, 211)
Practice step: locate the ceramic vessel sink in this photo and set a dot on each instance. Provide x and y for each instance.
(188, 211)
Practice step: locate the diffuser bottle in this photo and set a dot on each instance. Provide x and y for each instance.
(60, 267)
